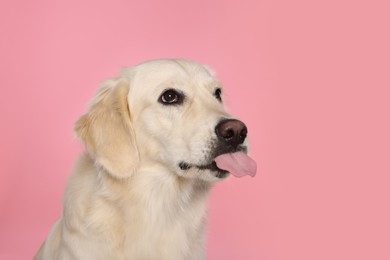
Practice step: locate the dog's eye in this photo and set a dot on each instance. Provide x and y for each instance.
(171, 97)
(217, 94)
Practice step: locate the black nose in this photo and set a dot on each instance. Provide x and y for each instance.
(231, 131)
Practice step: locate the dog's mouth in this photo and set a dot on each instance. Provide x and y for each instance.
(212, 166)
(219, 173)
(236, 162)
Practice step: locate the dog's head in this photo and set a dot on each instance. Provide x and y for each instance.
(163, 112)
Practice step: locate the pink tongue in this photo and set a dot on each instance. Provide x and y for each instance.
(239, 164)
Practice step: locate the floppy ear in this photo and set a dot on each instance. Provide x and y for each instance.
(107, 132)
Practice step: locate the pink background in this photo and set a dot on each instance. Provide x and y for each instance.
(310, 78)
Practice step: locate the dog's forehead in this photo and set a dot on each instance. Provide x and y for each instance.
(158, 74)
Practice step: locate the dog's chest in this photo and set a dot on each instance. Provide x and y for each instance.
(165, 225)
(159, 240)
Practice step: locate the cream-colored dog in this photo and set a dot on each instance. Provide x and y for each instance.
(156, 137)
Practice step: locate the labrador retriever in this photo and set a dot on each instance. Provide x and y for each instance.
(157, 138)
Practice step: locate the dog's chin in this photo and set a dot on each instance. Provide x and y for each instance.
(209, 172)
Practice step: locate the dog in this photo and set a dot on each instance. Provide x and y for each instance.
(157, 137)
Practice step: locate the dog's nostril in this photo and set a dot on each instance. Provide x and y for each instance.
(243, 133)
(229, 134)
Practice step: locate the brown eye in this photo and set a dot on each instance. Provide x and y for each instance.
(218, 93)
(171, 97)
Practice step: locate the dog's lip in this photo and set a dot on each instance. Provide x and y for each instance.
(212, 166)
(219, 173)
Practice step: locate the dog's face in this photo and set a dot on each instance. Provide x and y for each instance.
(166, 112)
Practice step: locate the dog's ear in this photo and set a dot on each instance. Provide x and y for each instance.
(107, 131)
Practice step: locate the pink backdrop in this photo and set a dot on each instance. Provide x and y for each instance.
(310, 78)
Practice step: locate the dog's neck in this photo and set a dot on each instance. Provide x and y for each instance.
(153, 194)
(162, 206)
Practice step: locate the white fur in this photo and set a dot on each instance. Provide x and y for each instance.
(128, 197)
